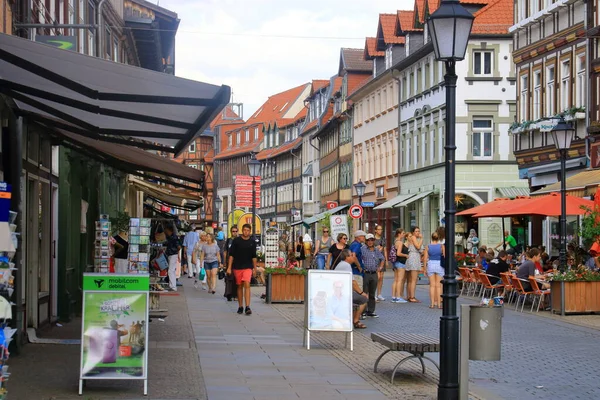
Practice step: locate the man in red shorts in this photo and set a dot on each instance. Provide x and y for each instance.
(242, 261)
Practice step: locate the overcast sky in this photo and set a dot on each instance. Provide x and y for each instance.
(246, 44)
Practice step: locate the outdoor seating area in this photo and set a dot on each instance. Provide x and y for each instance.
(476, 283)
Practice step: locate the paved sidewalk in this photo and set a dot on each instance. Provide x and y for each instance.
(51, 372)
(261, 356)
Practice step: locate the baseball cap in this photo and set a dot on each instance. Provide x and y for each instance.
(370, 236)
(360, 233)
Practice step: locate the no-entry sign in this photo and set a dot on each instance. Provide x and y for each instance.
(356, 211)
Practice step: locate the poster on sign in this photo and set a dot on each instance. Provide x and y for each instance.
(338, 224)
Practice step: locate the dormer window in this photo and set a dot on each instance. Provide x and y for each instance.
(238, 138)
(388, 57)
(230, 140)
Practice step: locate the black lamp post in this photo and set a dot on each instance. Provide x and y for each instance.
(360, 191)
(450, 27)
(218, 203)
(254, 169)
(562, 134)
(293, 211)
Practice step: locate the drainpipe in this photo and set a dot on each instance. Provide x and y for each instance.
(98, 37)
(399, 155)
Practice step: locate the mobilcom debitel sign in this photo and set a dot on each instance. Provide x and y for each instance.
(116, 282)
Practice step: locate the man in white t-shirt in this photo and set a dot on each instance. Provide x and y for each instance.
(359, 298)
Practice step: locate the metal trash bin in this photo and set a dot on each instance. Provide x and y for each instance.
(485, 333)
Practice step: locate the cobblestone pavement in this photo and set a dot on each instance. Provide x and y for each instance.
(51, 372)
(542, 356)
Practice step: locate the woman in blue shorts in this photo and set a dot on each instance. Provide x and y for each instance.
(399, 267)
(433, 268)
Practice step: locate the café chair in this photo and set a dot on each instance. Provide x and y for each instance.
(508, 287)
(487, 285)
(522, 293)
(537, 293)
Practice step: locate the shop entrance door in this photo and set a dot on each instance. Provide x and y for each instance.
(33, 248)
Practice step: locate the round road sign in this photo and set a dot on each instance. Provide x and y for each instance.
(356, 211)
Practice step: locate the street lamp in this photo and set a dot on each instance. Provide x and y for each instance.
(218, 203)
(562, 134)
(254, 169)
(360, 191)
(293, 211)
(450, 27)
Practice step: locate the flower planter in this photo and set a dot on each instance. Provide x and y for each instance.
(578, 297)
(282, 288)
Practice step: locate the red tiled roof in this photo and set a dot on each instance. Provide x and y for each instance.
(356, 81)
(494, 19)
(311, 125)
(238, 151)
(406, 22)
(285, 147)
(371, 49)
(276, 106)
(337, 84)
(474, 1)
(386, 31)
(420, 9)
(354, 60)
(226, 117)
(264, 154)
(318, 84)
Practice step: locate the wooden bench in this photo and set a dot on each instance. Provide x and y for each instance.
(414, 344)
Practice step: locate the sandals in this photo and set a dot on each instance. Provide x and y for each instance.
(432, 306)
(359, 325)
(413, 300)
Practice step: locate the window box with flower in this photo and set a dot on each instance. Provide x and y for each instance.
(285, 283)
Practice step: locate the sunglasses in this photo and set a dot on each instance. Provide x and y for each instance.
(325, 231)
(344, 237)
(234, 231)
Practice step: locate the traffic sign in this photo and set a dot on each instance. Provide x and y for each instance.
(356, 211)
(368, 204)
(331, 205)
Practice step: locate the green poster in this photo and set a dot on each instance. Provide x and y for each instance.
(114, 335)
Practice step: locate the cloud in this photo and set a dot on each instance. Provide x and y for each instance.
(246, 44)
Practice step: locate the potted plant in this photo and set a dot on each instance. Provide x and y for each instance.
(260, 258)
(464, 259)
(576, 291)
(285, 284)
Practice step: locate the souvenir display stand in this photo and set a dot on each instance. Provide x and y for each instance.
(271, 248)
(158, 268)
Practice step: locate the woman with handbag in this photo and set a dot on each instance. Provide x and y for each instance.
(336, 250)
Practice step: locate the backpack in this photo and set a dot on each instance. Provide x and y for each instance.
(392, 254)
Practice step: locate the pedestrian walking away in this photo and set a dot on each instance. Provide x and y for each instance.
(398, 255)
(242, 263)
(189, 243)
(230, 287)
(413, 262)
(380, 243)
(432, 260)
(373, 261)
(172, 253)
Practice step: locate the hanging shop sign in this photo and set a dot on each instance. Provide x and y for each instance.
(114, 339)
(60, 42)
(338, 224)
(5, 196)
(243, 191)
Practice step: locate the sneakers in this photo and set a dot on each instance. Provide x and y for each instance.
(380, 298)
(240, 310)
(372, 315)
(401, 300)
(248, 311)
(190, 277)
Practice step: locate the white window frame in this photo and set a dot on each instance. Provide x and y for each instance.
(380, 192)
(482, 132)
(481, 63)
(308, 195)
(565, 84)
(388, 57)
(256, 134)
(192, 147)
(550, 90)
(537, 95)
(580, 90)
(524, 97)
(230, 140)
(238, 138)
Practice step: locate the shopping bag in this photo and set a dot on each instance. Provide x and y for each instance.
(221, 273)
(202, 275)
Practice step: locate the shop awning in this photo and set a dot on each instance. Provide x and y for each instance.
(396, 200)
(106, 100)
(182, 199)
(414, 198)
(316, 218)
(131, 160)
(512, 192)
(581, 185)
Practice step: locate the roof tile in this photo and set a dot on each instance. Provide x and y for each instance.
(386, 31)
(494, 19)
(226, 117)
(406, 22)
(371, 49)
(354, 60)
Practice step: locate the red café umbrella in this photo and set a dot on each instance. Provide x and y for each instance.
(482, 208)
(503, 208)
(548, 206)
